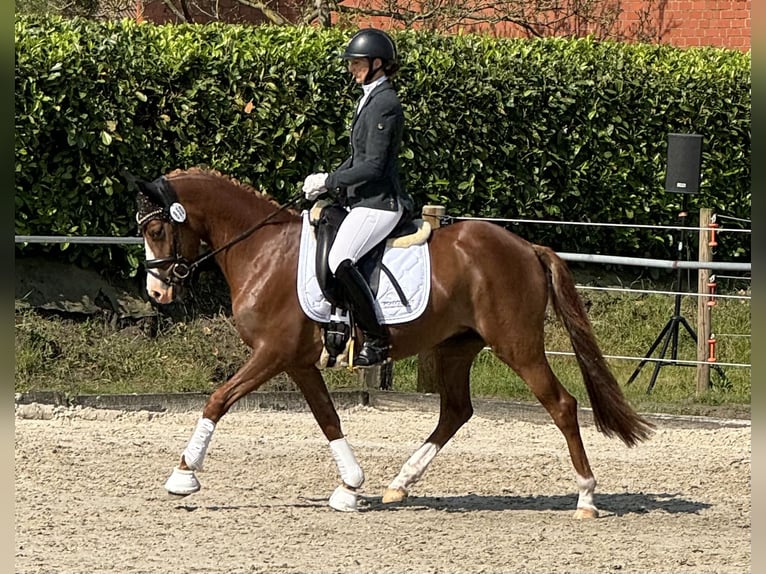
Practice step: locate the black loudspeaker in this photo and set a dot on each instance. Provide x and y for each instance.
(684, 163)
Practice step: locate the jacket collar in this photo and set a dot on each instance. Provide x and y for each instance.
(370, 91)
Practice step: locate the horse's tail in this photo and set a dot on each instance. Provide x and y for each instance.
(612, 413)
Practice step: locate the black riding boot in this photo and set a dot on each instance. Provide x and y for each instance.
(360, 299)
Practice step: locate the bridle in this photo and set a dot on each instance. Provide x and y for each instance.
(179, 269)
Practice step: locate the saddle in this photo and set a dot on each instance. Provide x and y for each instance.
(326, 217)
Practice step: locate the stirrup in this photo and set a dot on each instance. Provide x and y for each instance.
(372, 354)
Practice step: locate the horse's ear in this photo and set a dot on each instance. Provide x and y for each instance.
(155, 191)
(133, 181)
(158, 191)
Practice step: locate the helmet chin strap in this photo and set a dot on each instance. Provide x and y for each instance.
(371, 71)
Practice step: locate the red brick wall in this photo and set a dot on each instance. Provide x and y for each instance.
(682, 23)
(229, 11)
(720, 23)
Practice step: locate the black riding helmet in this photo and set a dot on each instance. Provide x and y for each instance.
(371, 43)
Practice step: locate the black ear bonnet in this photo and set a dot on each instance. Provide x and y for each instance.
(158, 200)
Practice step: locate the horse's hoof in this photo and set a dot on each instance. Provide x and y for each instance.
(585, 513)
(394, 495)
(182, 482)
(343, 499)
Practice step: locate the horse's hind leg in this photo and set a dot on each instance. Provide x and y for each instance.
(533, 368)
(452, 361)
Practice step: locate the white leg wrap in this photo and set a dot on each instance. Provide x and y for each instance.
(586, 486)
(350, 471)
(194, 454)
(415, 466)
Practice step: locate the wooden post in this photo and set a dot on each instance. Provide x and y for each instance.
(703, 309)
(377, 377)
(432, 213)
(427, 377)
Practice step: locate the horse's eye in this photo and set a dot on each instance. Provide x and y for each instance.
(157, 233)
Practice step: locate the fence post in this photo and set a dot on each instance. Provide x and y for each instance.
(427, 376)
(377, 377)
(433, 213)
(703, 309)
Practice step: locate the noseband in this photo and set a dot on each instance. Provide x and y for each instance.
(178, 267)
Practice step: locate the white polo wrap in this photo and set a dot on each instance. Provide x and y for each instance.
(350, 471)
(585, 486)
(194, 455)
(415, 466)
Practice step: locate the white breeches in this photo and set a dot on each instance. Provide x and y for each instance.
(361, 230)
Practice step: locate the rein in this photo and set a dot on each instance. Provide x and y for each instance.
(180, 270)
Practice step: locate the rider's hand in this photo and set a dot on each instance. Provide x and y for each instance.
(314, 185)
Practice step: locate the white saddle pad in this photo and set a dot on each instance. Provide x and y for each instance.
(410, 265)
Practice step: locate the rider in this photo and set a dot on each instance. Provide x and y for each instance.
(368, 182)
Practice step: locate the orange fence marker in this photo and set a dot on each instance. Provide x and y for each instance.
(711, 285)
(713, 225)
(711, 349)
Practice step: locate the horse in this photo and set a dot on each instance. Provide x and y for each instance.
(489, 288)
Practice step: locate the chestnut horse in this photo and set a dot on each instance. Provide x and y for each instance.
(489, 287)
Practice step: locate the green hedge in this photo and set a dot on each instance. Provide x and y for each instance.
(538, 129)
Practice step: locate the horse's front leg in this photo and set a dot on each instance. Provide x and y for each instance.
(312, 385)
(255, 372)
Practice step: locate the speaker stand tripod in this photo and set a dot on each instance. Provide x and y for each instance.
(668, 337)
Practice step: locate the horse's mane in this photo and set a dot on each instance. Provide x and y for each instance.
(202, 171)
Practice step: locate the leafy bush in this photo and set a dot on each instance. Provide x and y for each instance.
(510, 128)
